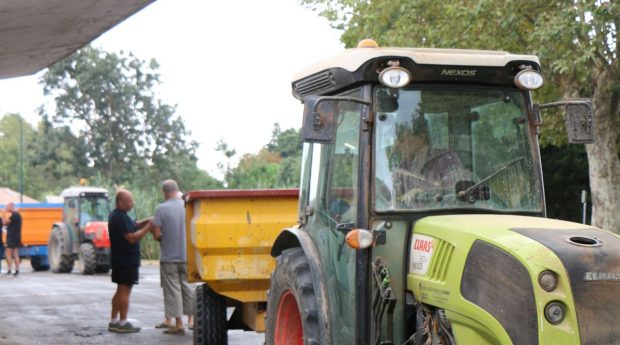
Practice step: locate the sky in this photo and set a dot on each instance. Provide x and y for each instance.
(227, 65)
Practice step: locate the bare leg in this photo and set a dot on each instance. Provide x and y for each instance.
(179, 322)
(9, 258)
(16, 256)
(115, 308)
(123, 300)
(190, 321)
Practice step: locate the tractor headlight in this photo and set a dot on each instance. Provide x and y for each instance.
(528, 79)
(548, 280)
(555, 312)
(395, 77)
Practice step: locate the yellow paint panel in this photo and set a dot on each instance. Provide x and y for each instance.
(230, 235)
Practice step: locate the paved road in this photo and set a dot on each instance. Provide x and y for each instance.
(48, 309)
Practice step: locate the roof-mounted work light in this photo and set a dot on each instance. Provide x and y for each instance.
(528, 79)
(395, 76)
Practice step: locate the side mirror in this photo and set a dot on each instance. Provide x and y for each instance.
(321, 118)
(579, 117)
(319, 123)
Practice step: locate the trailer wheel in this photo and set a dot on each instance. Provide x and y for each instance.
(292, 307)
(39, 263)
(210, 326)
(59, 262)
(87, 258)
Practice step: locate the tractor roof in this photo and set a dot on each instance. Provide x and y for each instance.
(352, 59)
(74, 192)
(361, 64)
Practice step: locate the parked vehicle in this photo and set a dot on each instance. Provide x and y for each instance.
(421, 216)
(83, 232)
(37, 220)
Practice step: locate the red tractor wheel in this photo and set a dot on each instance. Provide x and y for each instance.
(289, 330)
(293, 316)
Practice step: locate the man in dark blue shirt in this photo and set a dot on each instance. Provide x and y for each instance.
(125, 235)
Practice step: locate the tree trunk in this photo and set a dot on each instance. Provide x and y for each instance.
(603, 162)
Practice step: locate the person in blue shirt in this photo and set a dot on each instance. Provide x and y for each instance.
(125, 235)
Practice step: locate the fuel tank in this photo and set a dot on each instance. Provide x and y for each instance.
(518, 280)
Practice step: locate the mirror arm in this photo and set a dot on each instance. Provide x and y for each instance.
(319, 100)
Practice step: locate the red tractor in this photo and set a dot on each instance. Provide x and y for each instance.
(83, 232)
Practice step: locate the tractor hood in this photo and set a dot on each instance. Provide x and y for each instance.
(489, 266)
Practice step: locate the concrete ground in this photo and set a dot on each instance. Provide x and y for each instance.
(48, 309)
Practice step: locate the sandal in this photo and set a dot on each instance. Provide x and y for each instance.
(176, 331)
(164, 325)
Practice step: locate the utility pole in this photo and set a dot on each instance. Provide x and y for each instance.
(21, 159)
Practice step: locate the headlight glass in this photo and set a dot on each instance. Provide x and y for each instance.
(548, 280)
(528, 80)
(395, 77)
(555, 312)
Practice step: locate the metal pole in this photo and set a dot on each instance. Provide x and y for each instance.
(584, 194)
(21, 159)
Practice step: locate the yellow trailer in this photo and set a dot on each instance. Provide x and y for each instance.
(229, 241)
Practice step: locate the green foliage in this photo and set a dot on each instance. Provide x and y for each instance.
(107, 126)
(111, 99)
(563, 191)
(277, 165)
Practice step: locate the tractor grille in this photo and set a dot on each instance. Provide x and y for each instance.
(316, 84)
(439, 267)
(594, 274)
(498, 283)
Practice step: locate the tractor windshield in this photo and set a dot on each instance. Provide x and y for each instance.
(443, 147)
(94, 209)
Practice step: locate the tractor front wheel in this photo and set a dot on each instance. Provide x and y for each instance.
(210, 325)
(292, 306)
(87, 258)
(59, 261)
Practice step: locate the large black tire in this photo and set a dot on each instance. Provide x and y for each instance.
(39, 263)
(292, 291)
(87, 258)
(58, 260)
(210, 326)
(102, 269)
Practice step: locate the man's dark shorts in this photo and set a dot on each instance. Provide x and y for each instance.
(125, 275)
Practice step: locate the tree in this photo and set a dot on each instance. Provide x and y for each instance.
(10, 153)
(576, 41)
(111, 99)
(58, 156)
(276, 165)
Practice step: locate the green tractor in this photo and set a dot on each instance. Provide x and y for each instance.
(422, 211)
(83, 232)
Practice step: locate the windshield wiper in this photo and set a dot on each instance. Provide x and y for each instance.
(464, 193)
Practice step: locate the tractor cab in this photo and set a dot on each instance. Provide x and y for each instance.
(84, 205)
(83, 232)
